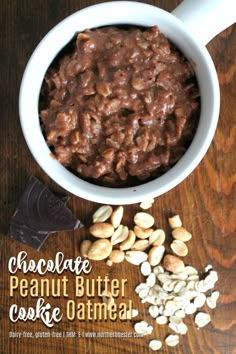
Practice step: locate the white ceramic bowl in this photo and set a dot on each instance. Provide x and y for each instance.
(112, 13)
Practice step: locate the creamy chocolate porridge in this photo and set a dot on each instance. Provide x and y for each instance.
(122, 107)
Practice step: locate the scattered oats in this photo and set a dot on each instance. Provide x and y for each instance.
(169, 286)
(143, 327)
(208, 268)
(180, 313)
(210, 280)
(215, 295)
(151, 280)
(171, 306)
(200, 300)
(190, 309)
(212, 299)
(164, 278)
(150, 299)
(155, 290)
(193, 277)
(158, 269)
(190, 270)
(191, 285)
(180, 328)
(189, 294)
(161, 320)
(202, 319)
(143, 294)
(180, 284)
(211, 304)
(134, 313)
(172, 340)
(179, 276)
(145, 268)
(140, 287)
(200, 287)
(153, 310)
(155, 344)
(182, 301)
(175, 319)
(183, 329)
(214, 275)
(168, 312)
(129, 314)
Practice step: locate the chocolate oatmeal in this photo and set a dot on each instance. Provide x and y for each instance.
(122, 107)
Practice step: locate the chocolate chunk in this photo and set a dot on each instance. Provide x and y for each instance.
(24, 234)
(39, 213)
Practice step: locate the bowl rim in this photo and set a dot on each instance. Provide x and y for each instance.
(73, 183)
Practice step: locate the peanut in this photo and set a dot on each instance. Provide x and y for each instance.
(128, 242)
(175, 221)
(180, 233)
(179, 248)
(101, 230)
(144, 220)
(120, 234)
(172, 340)
(157, 238)
(173, 264)
(84, 247)
(136, 257)
(102, 214)
(117, 216)
(142, 233)
(116, 256)
(140, 245)
(146, 204)
(155, 255)
(100, 249)
(202, 319)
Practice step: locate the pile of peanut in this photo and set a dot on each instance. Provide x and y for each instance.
(172, 289)
(115, 242)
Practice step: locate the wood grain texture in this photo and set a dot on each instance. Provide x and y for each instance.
(206, 201)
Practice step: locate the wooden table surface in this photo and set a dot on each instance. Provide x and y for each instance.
(206, 202)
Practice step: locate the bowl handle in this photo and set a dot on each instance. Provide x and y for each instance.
(206, 18)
